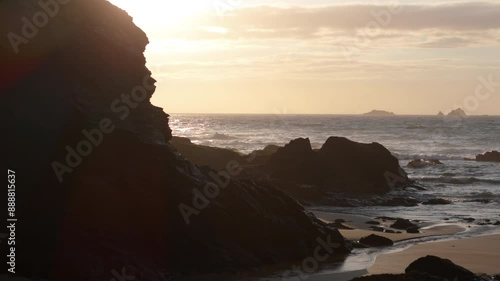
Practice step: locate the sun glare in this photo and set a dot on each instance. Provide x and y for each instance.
(168, 13)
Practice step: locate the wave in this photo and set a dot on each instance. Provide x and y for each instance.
(430, 156)
(455, 180)
(218, 136)
(482, 195)
(415, 127)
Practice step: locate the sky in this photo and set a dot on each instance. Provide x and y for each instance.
(322, 57)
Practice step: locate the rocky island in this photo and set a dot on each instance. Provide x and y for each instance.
(379, 113)
(457, 113)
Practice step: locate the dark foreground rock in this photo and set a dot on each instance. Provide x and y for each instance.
(340, 164)
(376, 241)
(493, 156)
(101, 189)
(430, 268)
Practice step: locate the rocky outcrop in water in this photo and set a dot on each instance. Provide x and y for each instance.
(100, 188)
(493, 156)
(340, 164)
(422, 163)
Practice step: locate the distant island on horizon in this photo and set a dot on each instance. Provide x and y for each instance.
(379, 113)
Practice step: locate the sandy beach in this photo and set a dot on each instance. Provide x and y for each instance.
(479, 255)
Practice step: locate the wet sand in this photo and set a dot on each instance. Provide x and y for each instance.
(478, 254)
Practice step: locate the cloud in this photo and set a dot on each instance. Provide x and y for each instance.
(310, 42)
(458, 16)
(467, 21)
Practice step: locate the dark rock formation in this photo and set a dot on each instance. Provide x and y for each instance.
(438, 267)
(403, 224)
(421, 163)
(493, 156)
(100, 187)
(440, 114)
(340, 164)
(437, 201)
(376, 241)
(373, 222)
(379, 113)
(214, 157)
(429, 268)
(457, 113)
(260, 157)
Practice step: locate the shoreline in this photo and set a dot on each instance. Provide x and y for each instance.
(462, 245)
(361, 229)
(480, 255)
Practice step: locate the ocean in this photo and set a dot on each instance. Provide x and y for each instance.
(473, 187)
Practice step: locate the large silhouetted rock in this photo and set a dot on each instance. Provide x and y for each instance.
(100, 188)
(438, 267)
(340, 164)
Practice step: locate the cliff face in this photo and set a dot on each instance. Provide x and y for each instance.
(99, 187)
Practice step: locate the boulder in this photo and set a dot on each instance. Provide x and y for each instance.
(376, 241)
(403, 224)
(493, 156)
(440, 268)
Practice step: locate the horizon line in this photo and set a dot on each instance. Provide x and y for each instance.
(326, 114)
